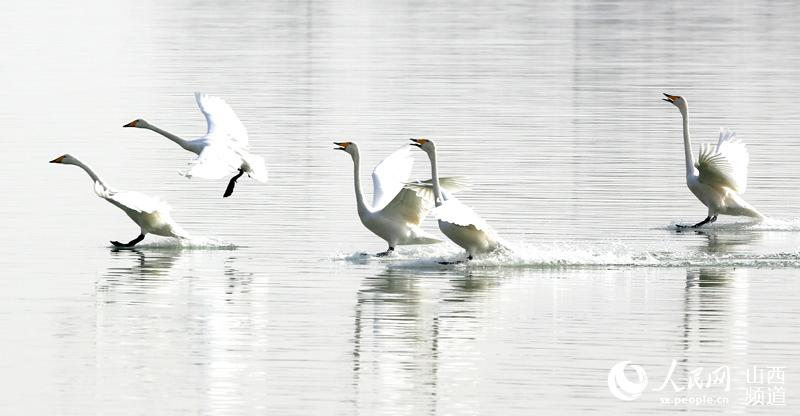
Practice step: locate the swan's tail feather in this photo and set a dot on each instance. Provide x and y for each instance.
(427, 240)
(255, 167)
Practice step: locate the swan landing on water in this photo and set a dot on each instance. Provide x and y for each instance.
(222, 150)
(150, 214)
(397, 210)
(457, 221)
(719, 175)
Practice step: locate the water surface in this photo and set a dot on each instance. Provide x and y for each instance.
(554, 113)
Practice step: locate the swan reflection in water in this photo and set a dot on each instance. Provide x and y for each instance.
(402, 323)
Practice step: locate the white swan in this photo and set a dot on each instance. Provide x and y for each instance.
(719, 176)
(222, 150)
(150, 214)
(457, 221)
(397, 210)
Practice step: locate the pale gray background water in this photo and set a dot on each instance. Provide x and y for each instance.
(554, 112)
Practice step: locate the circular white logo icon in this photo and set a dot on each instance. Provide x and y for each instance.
(621, 387)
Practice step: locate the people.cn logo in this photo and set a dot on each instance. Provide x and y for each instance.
(621, 387)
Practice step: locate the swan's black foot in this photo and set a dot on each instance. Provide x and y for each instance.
(708, 220)
(232, 183)
(456, 262)
(385, 253)
(129, 243)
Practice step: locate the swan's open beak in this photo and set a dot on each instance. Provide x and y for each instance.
(418, 142)
(670, 98)
(342, 145)
(131, 124)
(57, 160)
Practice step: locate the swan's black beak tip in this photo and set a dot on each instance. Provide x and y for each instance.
(670, 98)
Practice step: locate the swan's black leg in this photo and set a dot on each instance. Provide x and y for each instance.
(232, 183)
(129, 243)
(469, 257)
(385, 253)
(708, 220)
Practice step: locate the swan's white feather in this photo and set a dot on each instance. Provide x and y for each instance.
(455, 212)
(132, 200)
(216, 161)
(726, 164)
(390, 176)
(255, 166)
(408, 206)
(223, 123)
(449, 184)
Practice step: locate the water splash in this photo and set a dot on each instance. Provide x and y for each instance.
(567, 255)
(192, 243)
(767, 224)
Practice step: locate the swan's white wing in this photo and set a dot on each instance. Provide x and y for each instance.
(131, 200)
(408, 206)
(223, 124)
(725, 165)
(390, 176)
(451, 184)
(454, 212)
(216, 161)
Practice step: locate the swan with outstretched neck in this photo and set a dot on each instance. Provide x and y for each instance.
(222, 150)
(457, 221)
(152, 215)
(397, 210)
(719, 175)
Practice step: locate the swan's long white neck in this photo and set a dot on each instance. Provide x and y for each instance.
(437, 191)
(687, 142)
(362, 206)
(181, 142)
(90, 172)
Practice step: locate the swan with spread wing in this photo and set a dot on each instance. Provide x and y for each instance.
(222, 151)
(152, 215)
(719, 175)
(457, 221)
(398, 207)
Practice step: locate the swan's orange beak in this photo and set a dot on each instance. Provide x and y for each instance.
(342, 145)
(58, 159)
(131, 124)
(670, 98)
(418, 142)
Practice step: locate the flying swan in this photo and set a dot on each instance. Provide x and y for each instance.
(457, 221)
(397, 210)
(223, 149)
(150, 214)
(719, 176)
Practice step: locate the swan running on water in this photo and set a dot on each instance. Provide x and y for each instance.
(397, 210)
(457, 221)
(719, 176)
(150, 214)
(223, 149)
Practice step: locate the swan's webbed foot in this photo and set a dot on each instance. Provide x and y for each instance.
(129, 243)
(385, 253)
(708, 220)
(232, 183)
(447, 263)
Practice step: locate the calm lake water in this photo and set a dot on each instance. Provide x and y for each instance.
(553, 111)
